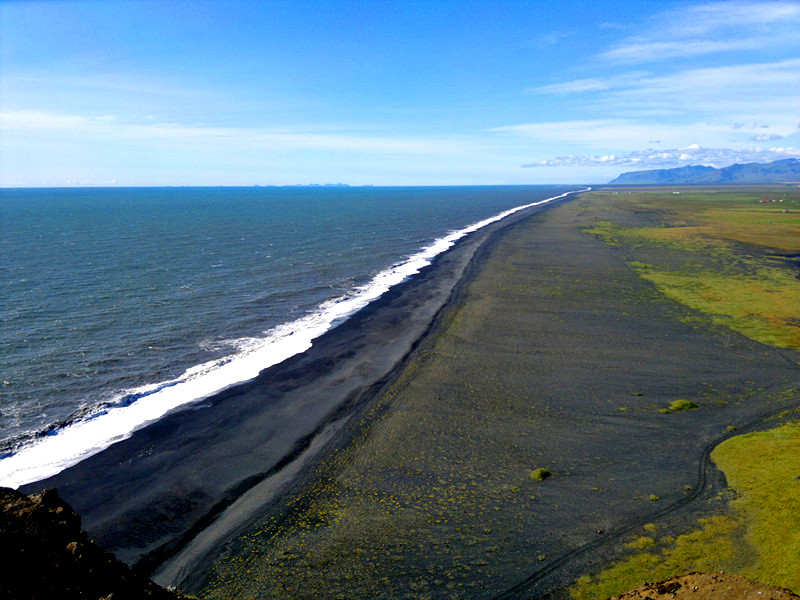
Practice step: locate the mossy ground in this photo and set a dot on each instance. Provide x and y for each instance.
(758, 538)
(732, 257)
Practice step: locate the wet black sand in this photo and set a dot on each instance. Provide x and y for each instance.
(146, 497)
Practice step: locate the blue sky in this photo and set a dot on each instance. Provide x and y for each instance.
(113, 92)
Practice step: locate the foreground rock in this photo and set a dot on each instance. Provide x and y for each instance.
(45, 554)
(708, 586)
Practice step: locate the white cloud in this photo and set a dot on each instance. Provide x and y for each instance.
(675, 157)
(710, 28)
(706, 18)
(105, 82)
(782, 78)
(638, 52)
(755, 89)
(590, 84)
(32, 120)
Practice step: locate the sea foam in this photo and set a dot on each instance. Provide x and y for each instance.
(60, 448)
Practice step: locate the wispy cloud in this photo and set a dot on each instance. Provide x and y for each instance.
(642, 51)
(713, 114)
(16, 120)
(781, 74)
(581, 131)
(117, 82)
(590, 84)
(704, 19)
(732, 92)
(738, 89)
(710, 28)
(722, 143)
(675, 157)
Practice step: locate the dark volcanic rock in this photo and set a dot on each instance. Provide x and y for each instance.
(44, 554)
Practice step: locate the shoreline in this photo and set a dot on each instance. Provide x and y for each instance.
(168, 473)
(92, 430)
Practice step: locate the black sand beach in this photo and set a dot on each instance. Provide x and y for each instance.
(550, 353)
(146, 497)
(553, 354)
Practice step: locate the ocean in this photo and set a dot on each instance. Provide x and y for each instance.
(120, 304)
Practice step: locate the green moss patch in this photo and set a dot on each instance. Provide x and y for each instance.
(705, 549)
(540, 474)
(679, 405)
(641, 543)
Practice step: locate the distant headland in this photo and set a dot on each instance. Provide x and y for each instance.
(779, 171)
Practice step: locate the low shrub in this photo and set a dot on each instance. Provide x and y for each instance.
(682, 405)
(540, 474)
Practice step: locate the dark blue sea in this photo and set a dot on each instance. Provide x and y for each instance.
(119, 304)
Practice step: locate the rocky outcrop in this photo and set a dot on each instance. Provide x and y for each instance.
(44, 554)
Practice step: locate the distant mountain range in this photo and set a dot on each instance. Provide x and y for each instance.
(780, 171)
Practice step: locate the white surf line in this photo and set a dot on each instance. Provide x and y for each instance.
(64, 447)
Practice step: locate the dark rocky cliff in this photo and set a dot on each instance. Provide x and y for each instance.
(44, 554)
